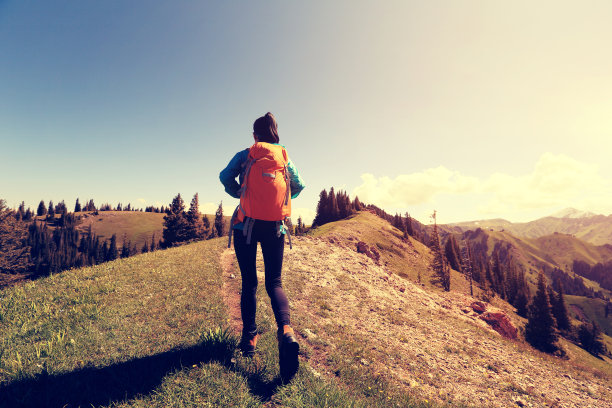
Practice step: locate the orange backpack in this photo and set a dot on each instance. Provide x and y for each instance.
(265, 193)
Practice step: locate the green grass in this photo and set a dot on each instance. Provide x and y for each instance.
(151, 330)
(137, 226)
(594, 309)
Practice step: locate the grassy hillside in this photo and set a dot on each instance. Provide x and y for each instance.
(137, 226)
(596, 230)
(151, 330)
(593, 309)
(551, 251)
(160, 329)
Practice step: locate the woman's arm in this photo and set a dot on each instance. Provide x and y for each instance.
(296, 182)
(234, 168)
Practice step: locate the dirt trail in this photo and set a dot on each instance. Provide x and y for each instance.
(231, 289)
(420, 340)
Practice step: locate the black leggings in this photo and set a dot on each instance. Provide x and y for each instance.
(272, 248)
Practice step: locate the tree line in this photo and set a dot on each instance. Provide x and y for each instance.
(51, 244)
(183, 226)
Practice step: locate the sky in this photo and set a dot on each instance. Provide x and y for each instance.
(475, 109)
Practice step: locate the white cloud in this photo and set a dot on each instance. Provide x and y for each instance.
(556, 181)
(307, 214)
(142, 201)
(413, 189)
(211, 208)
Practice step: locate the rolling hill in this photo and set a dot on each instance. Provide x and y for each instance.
(160, 329)
(595, 229)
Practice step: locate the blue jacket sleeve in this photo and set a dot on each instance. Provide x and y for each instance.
(296, 182)
(234, 169)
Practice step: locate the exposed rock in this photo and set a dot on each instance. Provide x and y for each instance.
(368, 251)
(479, 307)
(500, 322)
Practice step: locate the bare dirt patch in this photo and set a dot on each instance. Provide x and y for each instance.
(344, 304)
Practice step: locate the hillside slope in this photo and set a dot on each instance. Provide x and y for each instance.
(148, 331)
(595, 229)
(422, 339)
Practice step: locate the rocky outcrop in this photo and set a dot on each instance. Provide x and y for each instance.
(368, 251)
(500, 322)
(497, 319)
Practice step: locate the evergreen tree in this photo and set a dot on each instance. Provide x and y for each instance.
(467, 265)
(153, 246)
(408, 224)
(14, 248)
(219, 224)
(175, 225)
(321, 216)
(206, 226)
(21, 210)
(42, 209)
(145, 247)
(559, 310)
(357, 205)
(61, 208)
(105, 252)
(540, 328)
(112, 250)
(439, 264)
(51, 211)
(591, 338)
(300, 226)
(451, 250)
(29, 214)
(125, 248)
(334, 212)
(194, 220)
(77, 206)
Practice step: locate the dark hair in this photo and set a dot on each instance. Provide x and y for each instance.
(266, 129)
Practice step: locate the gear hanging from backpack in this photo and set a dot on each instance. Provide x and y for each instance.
(265, 193)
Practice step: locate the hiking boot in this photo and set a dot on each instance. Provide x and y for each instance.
(248, 344)
(288, 349)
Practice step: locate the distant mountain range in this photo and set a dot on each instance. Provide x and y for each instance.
(593, 228)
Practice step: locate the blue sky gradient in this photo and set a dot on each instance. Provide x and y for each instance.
(137, 101)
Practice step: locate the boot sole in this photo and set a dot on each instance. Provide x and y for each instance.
(289, 361)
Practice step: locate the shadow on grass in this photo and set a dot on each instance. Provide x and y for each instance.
(122, 381)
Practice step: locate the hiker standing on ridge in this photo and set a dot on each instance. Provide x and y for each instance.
(268, 181)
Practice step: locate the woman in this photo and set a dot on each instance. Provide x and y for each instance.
(257, 220)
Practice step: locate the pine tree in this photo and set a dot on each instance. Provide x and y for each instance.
(540, 328)
(357, 206)
(153, 247)
(51, 211)
(112, 250)
(42, 209)
(300, 226)
(206, 226)
(559, 310)
(77, 206)
(591, 339)
(408, 223)
(334, 212)
(125, 247)
(219, 224)
(21, 210)
(15, 251)
(194, 220)
(321, 216)
(145, 247)
(451, 250)
(467, 265)
(175, 225)
(439, 264)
